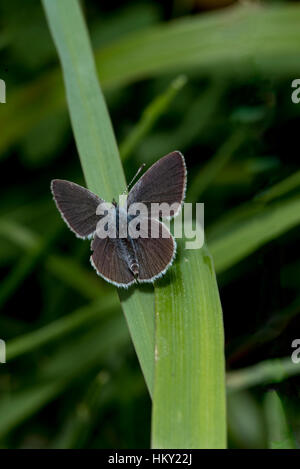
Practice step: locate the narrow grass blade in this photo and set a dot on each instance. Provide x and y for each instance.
(246, 426)
(273, 328)
(79, 278)
(283, 187)
(189, 387)
(93, 347)
(150, 116)
(60, 327)
(18, 233)
(24, 267)
(75, 433)
(63, 268)
(206, 42)
(25, 403)
(89, 116)
(39, 99)
(96, 145)
(210, 170)
(69, 363)
(266, 372)
(279, 433)
(246, 236)
(194, 122)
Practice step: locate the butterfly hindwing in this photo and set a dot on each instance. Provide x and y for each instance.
(154, 254)
(109, 263)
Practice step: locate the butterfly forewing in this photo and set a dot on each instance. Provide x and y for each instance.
(164, 182)
(77, 206)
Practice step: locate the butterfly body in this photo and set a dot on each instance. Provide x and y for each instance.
(129, 252)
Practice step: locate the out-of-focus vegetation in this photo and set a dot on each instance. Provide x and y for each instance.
(217, 86)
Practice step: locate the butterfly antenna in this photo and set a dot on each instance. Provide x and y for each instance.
(134, 178)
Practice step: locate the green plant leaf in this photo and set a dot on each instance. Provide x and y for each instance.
(279, 433)
(266, 372)
(283, 187)
(206, 42)
(210, 170)
(246, 426)
(64, 268)
(24, 267)
(68, 363)
(60, 327)
(149, 117)
(189, 388)
(239, 239)
(97, 149)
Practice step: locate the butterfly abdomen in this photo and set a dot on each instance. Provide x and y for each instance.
(128, 252)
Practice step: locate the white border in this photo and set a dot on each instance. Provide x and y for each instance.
(184, 186)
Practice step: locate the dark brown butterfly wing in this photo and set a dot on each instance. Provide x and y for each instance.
(165, 181)
(77, 206)
(154, 255)
(109, 263)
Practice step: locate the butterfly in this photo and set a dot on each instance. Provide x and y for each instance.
(124, 261)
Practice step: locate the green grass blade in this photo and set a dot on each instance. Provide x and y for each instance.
(206, 42)
(196, 117)
(60, 327)
(96, 145)
(89, 349)
(279, 433)
(233, 245)
(64, 268)
(246, 426)
(91, 123)
(19, 234)
(77, 429)
(138, 307)
(266, 372)
(68, 364)
(25, 403)
(80, 279)
(150, 116)
(189, 390)
(283, 187)
(23, 268)
(207, 174)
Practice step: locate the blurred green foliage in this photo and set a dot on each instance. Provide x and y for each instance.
(72, 378)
